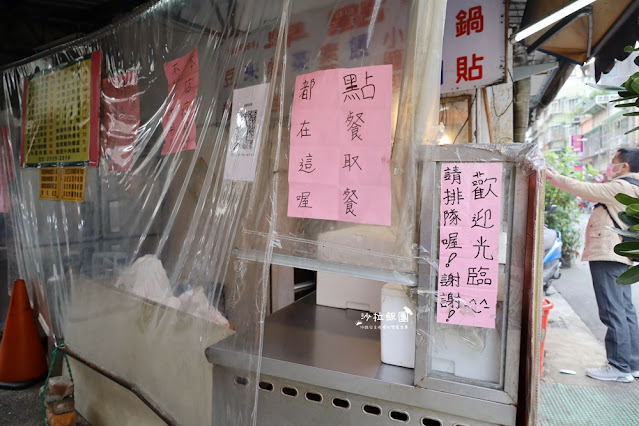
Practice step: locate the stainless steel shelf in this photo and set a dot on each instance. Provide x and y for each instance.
(306, 334)
(324, 347)
(333, 267)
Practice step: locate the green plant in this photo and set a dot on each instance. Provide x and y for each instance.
(630, 246)
(563, 219)
(629, 90)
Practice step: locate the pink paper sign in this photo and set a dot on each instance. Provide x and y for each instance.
(339, 159)
(470, 218)
(178, 121)
(121, 106)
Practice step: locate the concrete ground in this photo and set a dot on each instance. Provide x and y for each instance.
(20, 407)
(24, 407)
(575, 399)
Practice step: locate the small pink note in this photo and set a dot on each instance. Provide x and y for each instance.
(121, 106)
(470, 220)
(339, 162)
(178, 121)
(181, 68)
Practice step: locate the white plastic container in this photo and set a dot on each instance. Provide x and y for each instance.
(346, 292)
(397, 329)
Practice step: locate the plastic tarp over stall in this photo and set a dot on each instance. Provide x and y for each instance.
(354, 34)
(127, 215)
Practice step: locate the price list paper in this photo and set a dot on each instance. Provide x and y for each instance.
(61, 115)
(73, 184)
(50, 183)
(178, 121)
(470, 217)
(339, 159)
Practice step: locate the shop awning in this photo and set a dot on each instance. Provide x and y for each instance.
(600, 30)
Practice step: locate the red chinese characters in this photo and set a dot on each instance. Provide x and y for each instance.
(329, 55)
(471, 21)
(353, 16)
(466, 73)
(296, 31)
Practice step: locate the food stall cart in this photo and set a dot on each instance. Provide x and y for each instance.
(158, 168)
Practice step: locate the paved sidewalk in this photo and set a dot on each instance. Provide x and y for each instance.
(577, 399)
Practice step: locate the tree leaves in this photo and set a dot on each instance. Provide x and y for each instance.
(623, 232)
(628, 220)
(631, 276)
(633, 210)
(628, 248)
(626, 199)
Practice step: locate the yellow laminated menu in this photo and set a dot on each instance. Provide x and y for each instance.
(50, 183)
(61, 115)
(73, 182)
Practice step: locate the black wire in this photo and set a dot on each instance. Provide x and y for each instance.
(466, 122)
(492, 91)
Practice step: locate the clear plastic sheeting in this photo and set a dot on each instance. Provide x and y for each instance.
(348, 34)
(149, 173)
(125, 227)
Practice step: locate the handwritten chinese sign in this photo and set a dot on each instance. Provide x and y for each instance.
(339, 160)
(183, 75)
(470, 218)
(61, 115)
(474, 52)
(121, 106)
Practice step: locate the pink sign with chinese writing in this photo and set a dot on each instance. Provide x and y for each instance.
(183, 75)
(339, 160)
(474, 53)
(470, 218)
(121, 106)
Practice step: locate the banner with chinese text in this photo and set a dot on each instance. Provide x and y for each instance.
(339, 160)
(311, 44)
(61, 115)
(474, 52)
(470, 219)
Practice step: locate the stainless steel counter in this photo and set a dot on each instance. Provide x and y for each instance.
(325, 347)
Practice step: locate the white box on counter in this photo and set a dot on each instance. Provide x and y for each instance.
(398, 324)
(346, 292)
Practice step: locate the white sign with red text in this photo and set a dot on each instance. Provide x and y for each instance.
(474, 52)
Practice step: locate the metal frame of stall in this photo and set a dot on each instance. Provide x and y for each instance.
(318, 368)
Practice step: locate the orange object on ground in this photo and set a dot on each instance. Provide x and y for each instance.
(547, 306)
(22, 356)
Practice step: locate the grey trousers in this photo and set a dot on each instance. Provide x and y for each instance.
(618, 314)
